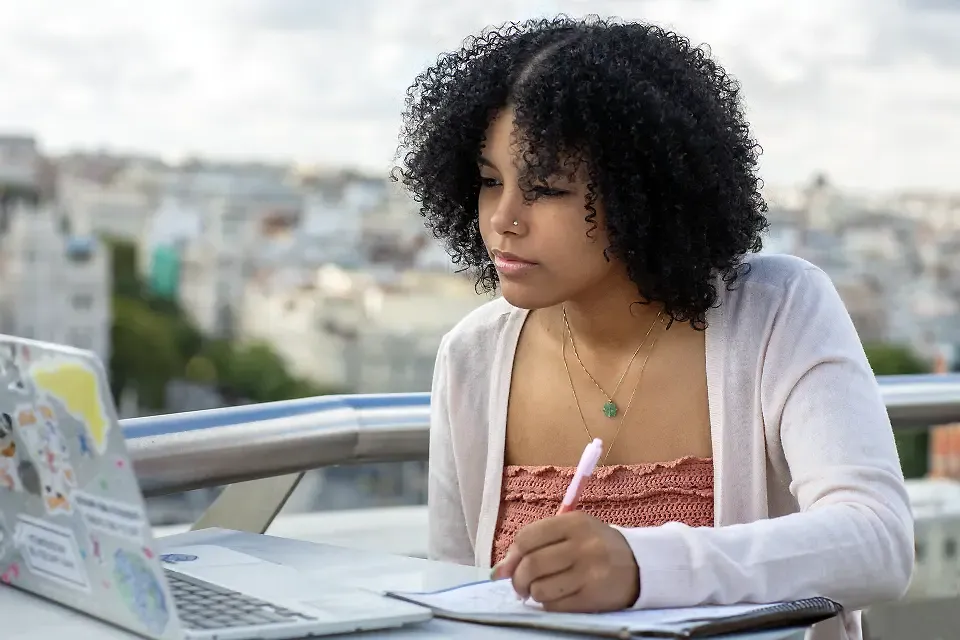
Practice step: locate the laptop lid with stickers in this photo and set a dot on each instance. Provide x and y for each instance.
(73, 525)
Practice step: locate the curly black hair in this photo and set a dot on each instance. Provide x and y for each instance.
(656, 123)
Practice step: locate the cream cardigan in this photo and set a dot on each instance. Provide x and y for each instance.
(809, 495)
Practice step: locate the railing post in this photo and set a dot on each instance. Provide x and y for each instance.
(249, 506)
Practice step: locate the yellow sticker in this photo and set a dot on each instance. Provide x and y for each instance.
(77, 387)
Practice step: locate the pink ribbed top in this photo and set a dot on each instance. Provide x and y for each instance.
(635, 495)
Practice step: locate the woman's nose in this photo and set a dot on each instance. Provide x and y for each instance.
(507, 217)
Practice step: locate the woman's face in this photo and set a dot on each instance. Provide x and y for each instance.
(540, 249)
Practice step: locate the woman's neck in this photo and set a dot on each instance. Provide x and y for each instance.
(610, 317)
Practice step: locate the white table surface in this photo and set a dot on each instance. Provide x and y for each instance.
(24, 617)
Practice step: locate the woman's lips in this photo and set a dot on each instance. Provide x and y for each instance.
(508, 264)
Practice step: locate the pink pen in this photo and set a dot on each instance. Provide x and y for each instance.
(588, 462)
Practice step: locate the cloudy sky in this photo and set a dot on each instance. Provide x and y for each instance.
(866, 90)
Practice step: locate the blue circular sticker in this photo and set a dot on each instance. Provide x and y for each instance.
(174, 558)
(140, 590)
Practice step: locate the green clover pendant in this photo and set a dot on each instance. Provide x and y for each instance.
(610, 409)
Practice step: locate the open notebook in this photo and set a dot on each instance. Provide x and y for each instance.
(496, 603)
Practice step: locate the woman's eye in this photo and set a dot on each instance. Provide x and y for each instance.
(489, 182)
(547, 192)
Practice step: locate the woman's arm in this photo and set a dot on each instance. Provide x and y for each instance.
(853, 538)
(448, 538)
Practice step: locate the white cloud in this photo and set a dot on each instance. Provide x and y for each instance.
(868, 90)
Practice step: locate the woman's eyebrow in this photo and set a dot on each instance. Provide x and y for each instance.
(484, 162)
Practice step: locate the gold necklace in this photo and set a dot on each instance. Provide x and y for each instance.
(583, 421)
(610, 408)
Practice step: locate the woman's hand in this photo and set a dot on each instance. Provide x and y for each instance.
(572, 562)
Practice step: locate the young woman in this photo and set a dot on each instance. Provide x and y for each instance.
(602, 177)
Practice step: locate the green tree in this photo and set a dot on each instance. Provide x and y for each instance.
(893, 359)
(301, 388)
(201, 369)
(187, 337)
(154, 342)
(219, 353)
(256, 372)
(913, 446)
(126, 271)
(144, 353)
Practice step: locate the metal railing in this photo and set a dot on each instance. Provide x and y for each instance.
(214, 447)
(184, 451)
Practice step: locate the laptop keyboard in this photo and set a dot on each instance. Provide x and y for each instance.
(201, 605)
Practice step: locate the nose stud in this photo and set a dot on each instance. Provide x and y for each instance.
(515, 223)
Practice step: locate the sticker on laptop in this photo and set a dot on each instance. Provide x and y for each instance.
(140, 590)
(83, 442)
(51, 552)
(76, 386)
(9, 456)
(29, 477)
(40, 434)
(96, 549)
(177, 558)
(10, 357)
(5, 537)
(110, 517)
(10, 574)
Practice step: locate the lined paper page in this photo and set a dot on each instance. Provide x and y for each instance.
(498, 599)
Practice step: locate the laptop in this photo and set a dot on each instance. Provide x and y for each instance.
(73, 526)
